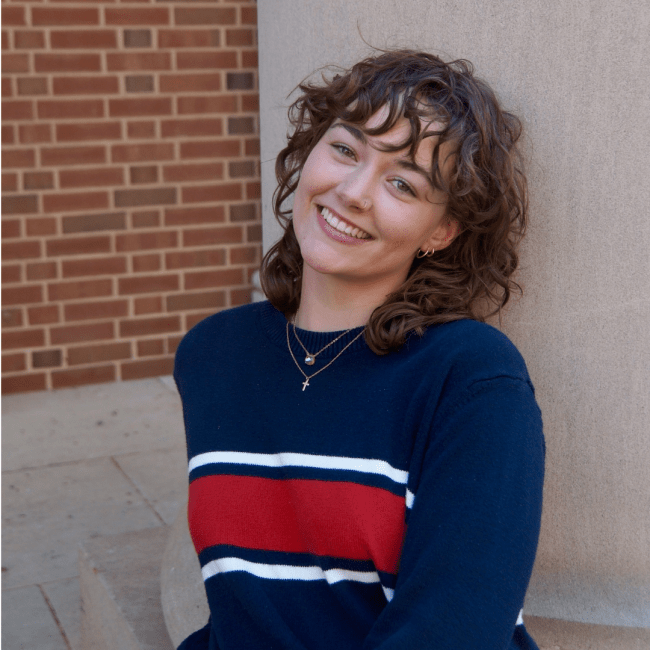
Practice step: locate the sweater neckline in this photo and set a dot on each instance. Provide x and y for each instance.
(274, 324)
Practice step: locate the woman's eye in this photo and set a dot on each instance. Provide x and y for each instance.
(344, 150)
(402, 186)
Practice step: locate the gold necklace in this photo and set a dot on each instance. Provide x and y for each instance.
(310, 359)
(304, 374)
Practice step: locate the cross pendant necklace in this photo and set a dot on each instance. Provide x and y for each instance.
(305, 384)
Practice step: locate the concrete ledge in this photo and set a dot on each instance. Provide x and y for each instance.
(120, 592)
(554, 634)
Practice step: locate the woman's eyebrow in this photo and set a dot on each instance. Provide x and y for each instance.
(356, 133)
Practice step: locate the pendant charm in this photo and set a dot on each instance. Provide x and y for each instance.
(305, 384)
(309, 360)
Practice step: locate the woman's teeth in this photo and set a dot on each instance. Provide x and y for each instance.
(341, 226)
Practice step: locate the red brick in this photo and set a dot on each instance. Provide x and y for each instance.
(252, 147)
(12, 317)
(72, 156)
(136, 130)
(243, 212)
(249, 59)
(206, 279)
(244, 255)
(147, 219)
(65, 16)
(241, 125)
(46, 359)
(205, 16)
(186, 216)
(83, 39)
(9, 182)
(137, 16)
(148, 284)
(95, 222)
(240, 296)
(242, 169)
(208, 193)
(90, 131)
(188, 83)
(71, 109)
(140, 106)
(250, 103)
(11, 273)
(192, 319)
(148, 368)
(83, 376)
(41, 226)
(98, 352)
(146, 263)
(12, 63)
(7, 133)
(7, 91)
(85, 85)
(202, 104)
(5, 39)
(32, 86)
(191, 127)
(137, 38)
(38, 181)
(151, 348)
(14, 158)
(23, 383)
(34, 133)
(23, 295)
(143, 174)
(240, 81)
(207, 236)
(79, 289)
(139, 83)
(248, 15)
(188, 259)
(67, 63)
(240, 37)
(10, 228)
(176, 38)
(96, 310)
(254, 233)
(94, 177)
(21, 250)
(144, 326)
(14, 362)
(78, 333)
(125, 153)
(41, 271)
(139, 61)
(210, 149)
(147, 305)
(23, 339)
(13, 15)
(17, 110)
(29, 39)
(154, 196)
(74, 202)
(215, 60)
(196, 172)
(203, 300)
(78, 245)
(146, 240)
(94, 266)
(253, 190)
(43, 315)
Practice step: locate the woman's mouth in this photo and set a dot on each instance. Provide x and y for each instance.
(342, 226)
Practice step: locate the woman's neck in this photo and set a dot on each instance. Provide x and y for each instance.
(328, 304)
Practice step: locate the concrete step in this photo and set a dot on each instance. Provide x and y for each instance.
(119, 578)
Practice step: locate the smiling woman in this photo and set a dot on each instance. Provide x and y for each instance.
(366, 457)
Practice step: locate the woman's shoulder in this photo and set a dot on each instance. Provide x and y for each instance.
(474, 350)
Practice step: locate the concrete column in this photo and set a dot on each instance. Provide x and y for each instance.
(578, 74)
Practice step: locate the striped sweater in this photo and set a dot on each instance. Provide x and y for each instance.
(392, 503)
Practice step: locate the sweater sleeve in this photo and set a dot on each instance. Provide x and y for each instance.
(472, 532)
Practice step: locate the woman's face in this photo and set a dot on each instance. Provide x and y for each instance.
(360, 213)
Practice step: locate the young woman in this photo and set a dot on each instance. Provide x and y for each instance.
(366, 455)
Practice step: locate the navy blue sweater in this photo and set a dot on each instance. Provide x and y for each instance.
(393, 503)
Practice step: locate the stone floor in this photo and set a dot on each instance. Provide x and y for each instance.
(78, 464)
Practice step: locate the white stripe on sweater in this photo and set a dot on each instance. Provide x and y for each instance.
(290, 459)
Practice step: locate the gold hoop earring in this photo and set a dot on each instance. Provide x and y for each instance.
(429, 253)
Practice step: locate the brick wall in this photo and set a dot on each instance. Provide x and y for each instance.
(130, 185)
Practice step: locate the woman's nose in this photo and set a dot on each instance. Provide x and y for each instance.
(356, 190)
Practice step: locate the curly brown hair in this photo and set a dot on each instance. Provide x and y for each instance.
(486, 187)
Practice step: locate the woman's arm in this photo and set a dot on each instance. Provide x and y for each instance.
(473, 529)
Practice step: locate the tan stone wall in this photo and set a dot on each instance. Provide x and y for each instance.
(130, 185)
(578, 73)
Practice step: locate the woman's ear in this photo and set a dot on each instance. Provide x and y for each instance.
(443, 235)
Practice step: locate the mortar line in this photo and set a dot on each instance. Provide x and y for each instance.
(55, 617)
(138, 491)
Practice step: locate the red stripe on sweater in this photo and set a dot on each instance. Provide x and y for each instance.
(329, 518)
